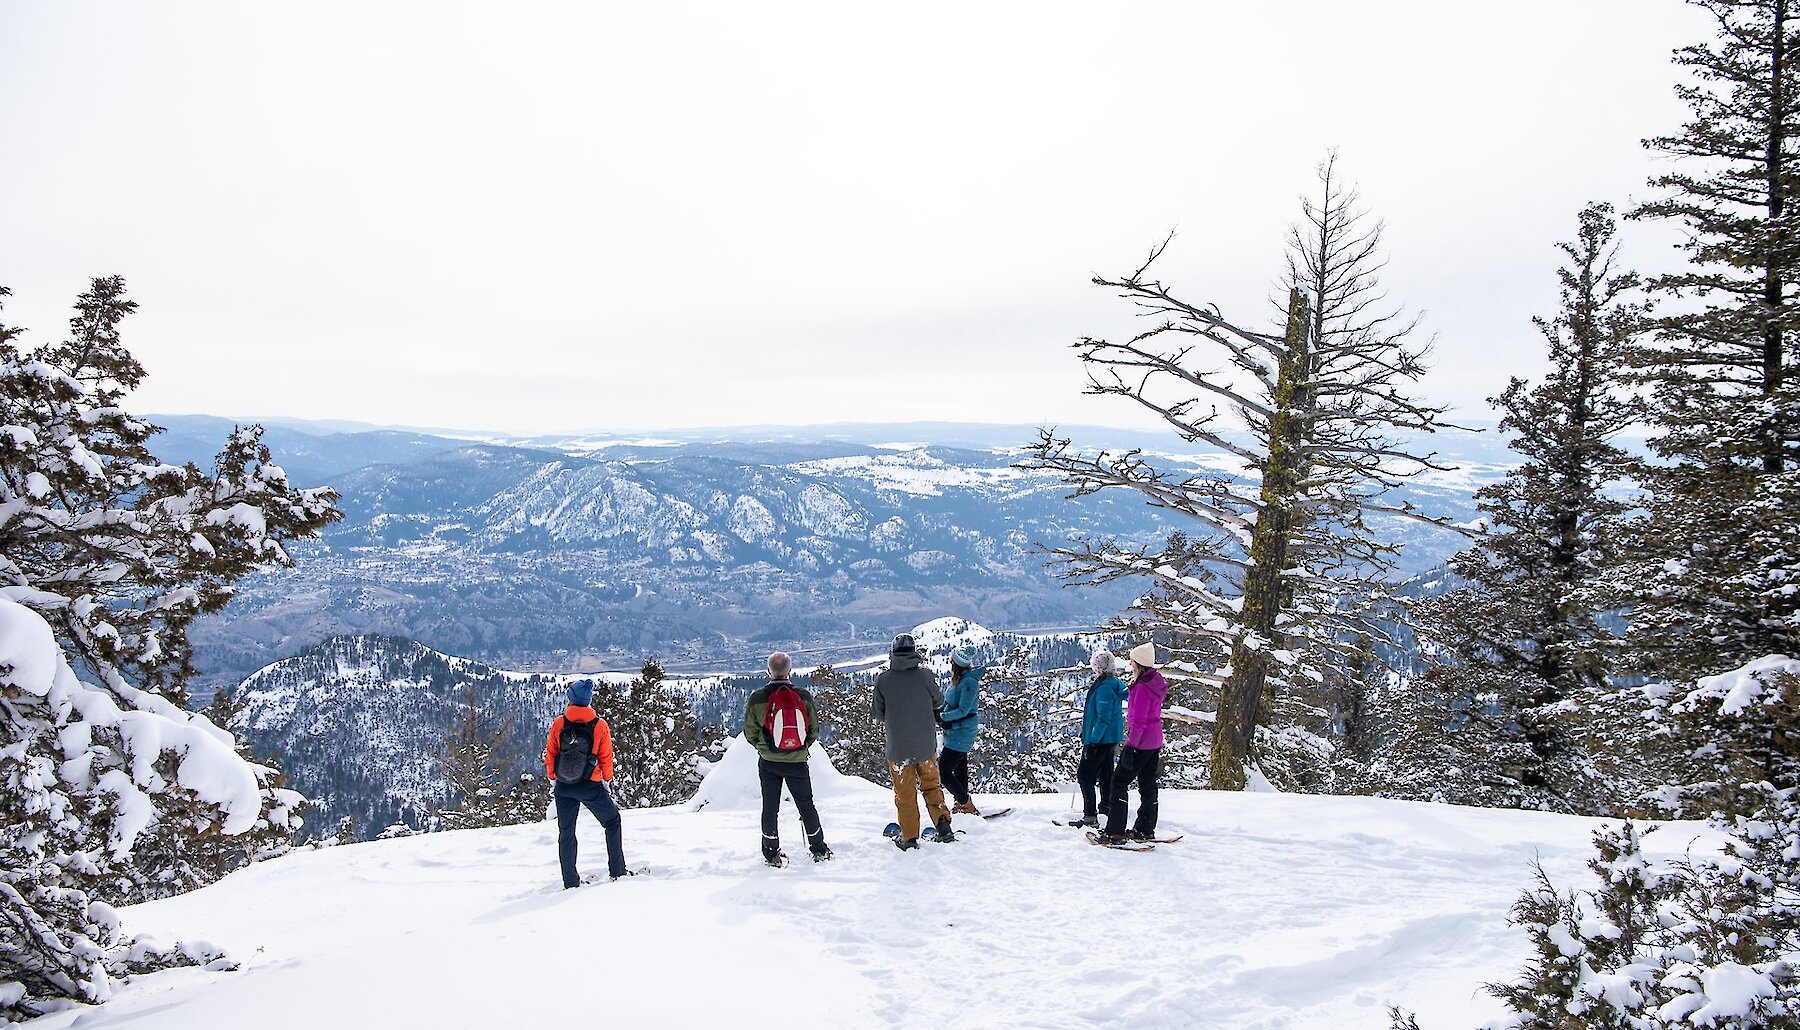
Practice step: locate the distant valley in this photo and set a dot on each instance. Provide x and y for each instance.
(709, 549)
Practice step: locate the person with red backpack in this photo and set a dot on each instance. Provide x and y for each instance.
(779, 723)
(578, 758)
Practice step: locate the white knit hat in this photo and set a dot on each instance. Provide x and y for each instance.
(1145, 655)
(1102, 662)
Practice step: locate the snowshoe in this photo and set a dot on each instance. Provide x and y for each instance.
(823, 856)
(1107, 840)
(628, 872)
(994, 814)
(1141, 837)
(891, 830)
(775, 859)
(905, 845)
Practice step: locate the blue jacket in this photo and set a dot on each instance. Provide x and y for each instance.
(962, 711)
(1103, 720)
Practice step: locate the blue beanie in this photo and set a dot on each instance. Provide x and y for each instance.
(964, 655)
(581, 692)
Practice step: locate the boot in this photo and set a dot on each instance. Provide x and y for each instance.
(945, 835)
(965, 808)
(906, 845)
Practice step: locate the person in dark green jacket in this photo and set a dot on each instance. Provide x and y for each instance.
(794, 721)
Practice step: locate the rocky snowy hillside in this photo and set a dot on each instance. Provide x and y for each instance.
(706, 550)
(354, 723)
(1274, 911)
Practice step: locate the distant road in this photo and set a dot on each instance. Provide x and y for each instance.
(747, 661)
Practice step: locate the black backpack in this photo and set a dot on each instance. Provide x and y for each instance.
(575, 758)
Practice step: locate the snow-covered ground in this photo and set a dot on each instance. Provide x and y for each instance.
(1276, 910)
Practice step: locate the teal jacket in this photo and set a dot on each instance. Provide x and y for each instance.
(1103, 720)
(962, 712)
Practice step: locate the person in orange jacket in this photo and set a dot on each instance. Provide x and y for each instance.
(578, 758)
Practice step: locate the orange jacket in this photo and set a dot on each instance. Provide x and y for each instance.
(603, 769)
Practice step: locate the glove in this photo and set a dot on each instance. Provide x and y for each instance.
(937, 715)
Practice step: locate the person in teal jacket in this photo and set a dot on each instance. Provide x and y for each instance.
(961, 721)
(1102, 729)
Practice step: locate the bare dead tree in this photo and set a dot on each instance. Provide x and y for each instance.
(1284, 566)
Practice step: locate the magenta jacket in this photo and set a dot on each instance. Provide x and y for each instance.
(1143, 712)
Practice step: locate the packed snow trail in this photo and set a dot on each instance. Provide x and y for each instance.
(1275, 911)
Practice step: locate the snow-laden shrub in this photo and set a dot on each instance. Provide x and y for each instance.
(82, 780)
(1710, 940)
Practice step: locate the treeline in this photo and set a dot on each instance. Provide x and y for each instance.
(1619, 636)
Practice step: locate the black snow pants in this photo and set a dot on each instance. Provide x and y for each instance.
(798, 777)
(1143, 767)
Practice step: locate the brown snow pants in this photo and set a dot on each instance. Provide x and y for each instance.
(910, 781)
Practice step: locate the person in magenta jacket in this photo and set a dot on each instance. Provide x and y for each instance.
(1140, 760)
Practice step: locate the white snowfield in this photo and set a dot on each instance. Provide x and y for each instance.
(1275, 911)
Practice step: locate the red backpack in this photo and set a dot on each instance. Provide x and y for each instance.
(784, 719)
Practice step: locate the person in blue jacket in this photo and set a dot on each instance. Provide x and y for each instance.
(961, 720)
(1102, 730)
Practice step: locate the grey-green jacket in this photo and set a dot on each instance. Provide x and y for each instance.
(753, 724)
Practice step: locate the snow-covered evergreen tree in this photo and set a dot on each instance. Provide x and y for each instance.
(847, 729)
(1282, 569)
(657, 744)
(1715, 561)
(487, 792)
(1024, 744)
(118, 551)
(109, 790)
(82, 781)
(1519, 649)
(1712, 939)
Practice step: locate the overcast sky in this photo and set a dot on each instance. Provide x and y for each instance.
(545, 217)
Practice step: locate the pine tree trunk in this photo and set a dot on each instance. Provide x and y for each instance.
(1776, 257)
(1246, 691)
